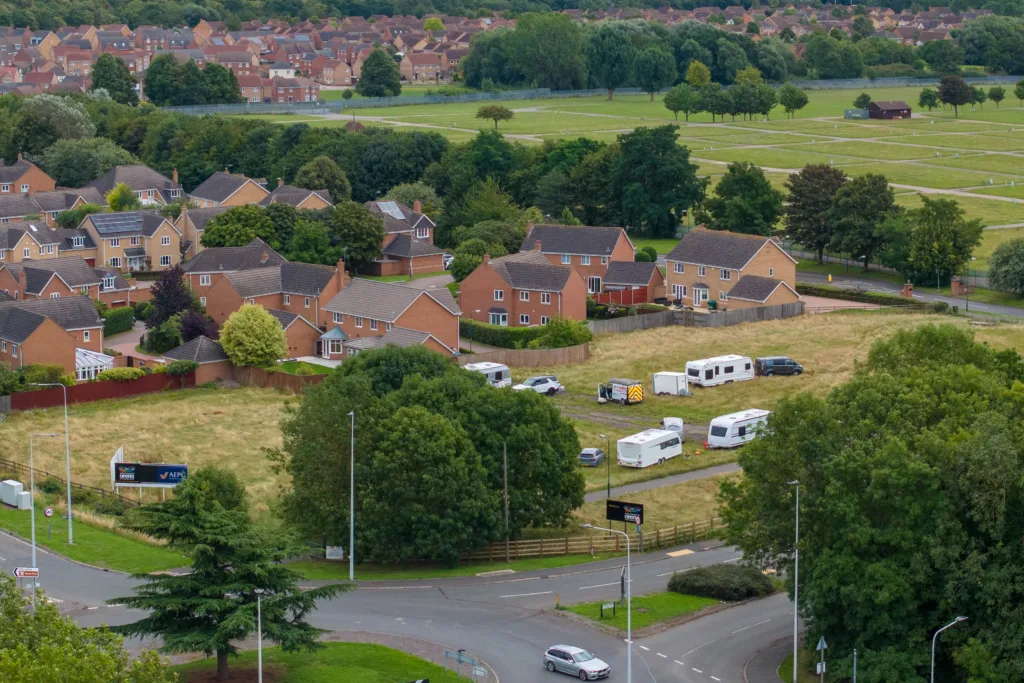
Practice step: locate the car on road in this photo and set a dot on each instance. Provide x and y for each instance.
(592, 457)
(575, 661)
(542, 384)
(776, 365)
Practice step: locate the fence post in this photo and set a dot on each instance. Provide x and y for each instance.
(542, 548)
(675, 539)
(657, 539)
(693, 529)
(517, 550)
(617, 542)
(566, 545)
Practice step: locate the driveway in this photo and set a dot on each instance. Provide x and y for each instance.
(125, 342)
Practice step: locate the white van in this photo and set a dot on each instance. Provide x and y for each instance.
(671, 383)
(735, 429)
(710, 372)
(650, 447)
(497, 374)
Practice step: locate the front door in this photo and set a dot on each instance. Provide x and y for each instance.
(593, 284)
(699, 295)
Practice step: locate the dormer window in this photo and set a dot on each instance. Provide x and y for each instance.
(108, 282)
(78, 241)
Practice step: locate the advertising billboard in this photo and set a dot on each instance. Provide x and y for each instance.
(620, 511)
(148, 475)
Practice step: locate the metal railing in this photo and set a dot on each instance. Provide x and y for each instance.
(13, 467)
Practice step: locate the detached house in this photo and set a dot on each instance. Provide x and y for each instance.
(298, 197)
(587, 250)
(149, 186)
(408, 246)
(206, 269)
(227, 189)
(51, 331)
(709, 264)
(134, 240)
(23, 240)
(63, 277)
(24, 178)
(191, 223)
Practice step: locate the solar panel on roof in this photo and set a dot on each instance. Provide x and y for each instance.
(109, 223)
(391, 209)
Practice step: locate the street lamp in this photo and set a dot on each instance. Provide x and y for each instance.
(629, 593)
(796, 575)
(259, 633)
(949, 625)
(67, 447)
(608, 460)
(32, 489)
(352, 500)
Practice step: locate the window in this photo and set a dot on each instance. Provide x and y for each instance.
(77, 241)
(4, 347)
(83, 290)
(287, 299)
(499, 319)
(725, 274)
(701, 271)
(604, 260)
(27, 252)
(373, 324)
(134, 241)
(524, 296)
(593, 284)
(48, 249)
(85, 335)
(165, 260)
(678, 291)
(5, 188)
(545, 297)
(165, 241)
(252, 302)
(723, 296)
(728, 369)
(351, 352)
(115, 262)
(175, 193)
(524, 319)
(14, 350)
(54, 295)
(115, 243)
(338, 318)
(387, 327)
(204, 281)
(359, 321)
(24, 187)
(566, 259)
(306, 302)
(423, 233)
(584, 260)
(544, 320)
(150, 193)
(202, 300)
(677, 268)
(335, 346)
(3, 254)
(771, 272)
(499, 295)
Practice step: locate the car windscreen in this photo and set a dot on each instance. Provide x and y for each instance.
(583, 656)
(719, 431)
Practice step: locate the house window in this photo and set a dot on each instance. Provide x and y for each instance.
(287, 299)
(584, 260)
(165, 260)
(678, 268)
(566, 259)
(604, 260)
(725, 274)
(544, 320)
(77, 241)
(202, 300)
(175, 193)
(335, 346)
(499, 319)
(134, 241)
(423, 233)
(115, 243)
(306, 302)
(54, 295)
(85, 335)
(678, 291)
(524, 296)
(204, 281)
(27, 252)
(150, 193)
(49, 249)
(252, 302)
(165, 241)
(387, 327)
(14, 350)
(115, 262)
(83, 290)
(524, 319)
(723, 296)
(771, 272)
(593, 284)
(545, 297)
(499, 295)
(24, 188)
(5, 188)
(4, 347)
(338, 318)
(108, 282)
(351, 352)
(373, 324)
(701, 271)
(359, 321)
(3, 254)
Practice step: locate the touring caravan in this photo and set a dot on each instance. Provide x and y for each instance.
(671, 383)
(710, 372)
(497, 375)
(736, 429)
(650, 447)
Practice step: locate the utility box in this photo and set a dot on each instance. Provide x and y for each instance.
(9, 490)
(24, 500)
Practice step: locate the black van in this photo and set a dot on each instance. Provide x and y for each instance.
(777, 365)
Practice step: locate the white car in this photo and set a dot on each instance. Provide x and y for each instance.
(575, 661)
(542, 384)
(446, 260)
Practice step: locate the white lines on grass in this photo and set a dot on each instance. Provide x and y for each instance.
(751, 626)
(525, 595)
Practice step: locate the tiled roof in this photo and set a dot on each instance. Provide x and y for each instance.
(126, 223)
(70, 312)
(219, 186)
(230, 259)
(755, 288)
(531, 270)
(200, 217)
(60, 200)
(891, 104)
(287, 194)
(286, 318)
(17, 324)
(201, 350)
(634, 273)
(8, 174)
(571, 239)
(134, 252)
(17, 205)
(137, 177)
(72, 269)
(407, 246)
(304, 279)
(383, 300)
(397, 217)
(66, 237)
(717, 248)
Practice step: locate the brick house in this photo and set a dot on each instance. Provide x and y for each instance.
(587, 249)
(301, 335)
(191, 223)
(227, 189)
(521, 290)
(63, 277)
(134, 240)
(632, 282)
(296, 89)
(23, 177)
(417, 67)
(209, 266)
(334, 72)
(707, 264)
(408, 245)
(76, 241)
(255, 88)
(298, 197)
(241, 62)
(148, 185)
(48, 331)
(367, 308)
(754, 290)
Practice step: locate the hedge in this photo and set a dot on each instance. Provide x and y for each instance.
(722, 582)
(121, 374)
(498, 335)
(862, 296)
(118, 320)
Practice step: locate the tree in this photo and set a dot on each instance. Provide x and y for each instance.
(941, 238)
(729, 60)
(610, 52)
(807, 213)
(495, 112)
(653, 69)
(111, 74)
(753, 28)
(311, 243)
(858, 210)
(410, 193)
(214, 605)
(698, 75)
(954, 91)
(997, 94)
(749, 76)
(484, 201)
(504, 234)
(322, 173)
(716, 101)
(462, 265)
(978, 96)
(170, 297)
(433, 24)
(238, 226)
(220, 86)
(862, 27)
(41, 645)
(379, 76)
(73, 163)
(928, 99)
(561, 332)
(72, 218)
(943, 56)
(1006, 267)
(252, 337)
(1018, 91)
(195, 324)
(44, 119)
(792, 99)
(743, 201)
(357, 232)
(548, 49)
(122, 198)
(682, 98)
(862, 101)
(160, 85)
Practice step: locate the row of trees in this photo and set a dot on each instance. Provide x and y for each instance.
(748, 95)
(170, 82)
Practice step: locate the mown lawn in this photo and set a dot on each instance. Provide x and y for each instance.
(647, 609)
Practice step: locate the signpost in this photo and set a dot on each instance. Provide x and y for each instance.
(48, 512)
(607, 605)
(334, 552)
(26, 572)
(822, 646)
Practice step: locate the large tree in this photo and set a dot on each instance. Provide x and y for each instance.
(955, 92)
(160, 85)
(357, 232)
(807, 215)
(170, 296)
(743, 201)
(379, 76)
(73, 163)
(792, 99)
(609, 49)
(682, 98)
(213, 607)
(943, 56)
(928, 99)
(220, 86)
(859, 209)
(111, 74)
(653, 69)
(252, 337)
(549, 48)
(495, 112)
(311, 243)
(238, 226)
(323, 173)
(942, 239)
(44, 119)
(1006, 267)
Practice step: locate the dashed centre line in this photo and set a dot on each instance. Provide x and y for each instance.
(697, 670)
(525, 595)
(662, 656)
(751, 626)
(678, 662)
(646, 649)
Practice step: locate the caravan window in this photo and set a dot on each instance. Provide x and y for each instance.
(728, 369)
(693, 372)
(743, 430)
(669, 444)
(709, 374)
(719, 431)
(746, 366)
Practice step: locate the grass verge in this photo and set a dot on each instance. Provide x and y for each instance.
(805, 670)
(401, 278)
(348, 662)
(648, 610)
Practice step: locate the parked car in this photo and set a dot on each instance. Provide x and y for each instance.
(575, 661)
(777, 365)
(542, 384)
(592, 457)
(446, 260)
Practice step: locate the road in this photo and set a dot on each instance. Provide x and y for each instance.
(507, 621)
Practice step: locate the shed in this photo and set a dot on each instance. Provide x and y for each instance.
(894, 109)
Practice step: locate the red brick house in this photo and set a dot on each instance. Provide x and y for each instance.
(408, 246)
(587, 249)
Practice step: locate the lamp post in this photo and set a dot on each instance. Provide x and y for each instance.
(32, 494)
(259, 633)
(608, 461)
(629, 593)
(949, 625)
(352, 500)
(796, 576)
(67, 448)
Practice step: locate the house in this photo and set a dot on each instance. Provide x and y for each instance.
(134, 240)
(214, 364)
(296, 89)
(149, 186)
(523, 289)
(24, 240)
(587, 249)
(209, 266)
(707, 264)
(191, 223)
(417, 67)
(301, 335)
(408, 245)
(23, 177)
(256, 88)
(298, 197)
(227, 189)
(628, 283)
(44, 205)
(75, 241)
(64, 276)
(754, 290)
(894, 109)
(368, 308)
(49, 331)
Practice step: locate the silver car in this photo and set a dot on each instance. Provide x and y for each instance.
(575, 661)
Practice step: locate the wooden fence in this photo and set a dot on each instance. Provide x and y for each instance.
(630, 296)
(258, 377)
(739, 316)
(96, 391)
(531, 358)
(632, 322)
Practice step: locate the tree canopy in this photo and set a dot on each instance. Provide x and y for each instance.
(110, 73)
(743, 201)
(252, 337)
(807, 214)
(379, 76)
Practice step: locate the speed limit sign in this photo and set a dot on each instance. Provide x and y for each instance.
(48, 512)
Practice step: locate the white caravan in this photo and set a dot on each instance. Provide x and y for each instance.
(710, 372)
(736, 429)
(671, 383)
(497, 375)
(649, 447)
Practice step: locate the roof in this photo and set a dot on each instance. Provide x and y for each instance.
(73, 270)
(84, 358)
(8, 174)
(201, 350)
(220, 186)
(572, 239)
(384, 300)
(230, 259)
(648, 435)
(718, 248)
(531, 270)
(756, 288)
(70, 312)
(17, 325)
(286, 318)
(397, 216)
(135, 176)
(749, 414)
(200, 217)
(407, 246)
(17, 205)
(633, 273)
(890, 104)
(288, 194)
(127, 223)
(304, 279)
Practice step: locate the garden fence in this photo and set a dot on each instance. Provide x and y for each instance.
(258, 377)
(632, 322)
(531, 358)
(96, 391)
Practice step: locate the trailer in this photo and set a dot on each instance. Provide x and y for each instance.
(710, 372)
(670, 384)
(649, 447)
(624, 391)
(736, 429)
(497, 374)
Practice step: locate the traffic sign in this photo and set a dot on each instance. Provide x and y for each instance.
(822, 645)
(480, 671)
(48, 512)
(26, 572)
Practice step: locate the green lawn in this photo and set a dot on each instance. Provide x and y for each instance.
(805, 671)
(292, 367)
(98, 547)
(399, 278)
(647, 609)
(662, 246)
(342, 662)
(991, 212)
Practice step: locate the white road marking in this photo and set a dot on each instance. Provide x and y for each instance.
(751, 626)
(715, 678)
(735, 559)
(697, 670)
(646, 649)
(662, 656)
(525, 595)
(600, 585)
(678, 662)
(697, 648)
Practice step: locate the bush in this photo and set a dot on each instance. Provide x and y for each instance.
(497, 335)
(853, 295)
(104, 505)
(561, 332)
(51, 485)
(722, 582)
(43, 374)
(939, 306)
(118, 320)
(121, 374)
(165, 337)
(179, 368)
(142, 310)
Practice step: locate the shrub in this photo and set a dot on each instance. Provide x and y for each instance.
(121, 374)
(118, 320)
(497, 335)
(51, 485)
(853, 295)
(105, 505)
(180, 368)
(165, 337)
(142, 309)
(939, 306)
(722, 582)
(561, 332)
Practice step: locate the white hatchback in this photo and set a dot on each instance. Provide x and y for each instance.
(542, 384)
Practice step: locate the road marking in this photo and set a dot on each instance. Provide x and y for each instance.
(680, 553)
(715, 678)
(697, 670)
(525, 595)
(735, 559)
(600, 585)
(678, 662)
(662, 656)
(751, 626)
(646, 649)
(697, 648)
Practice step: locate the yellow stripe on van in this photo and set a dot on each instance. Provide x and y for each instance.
(636, 393)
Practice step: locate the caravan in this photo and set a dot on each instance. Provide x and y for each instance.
(650, 447)
(710, 372)
(735, 429)
(497, 375)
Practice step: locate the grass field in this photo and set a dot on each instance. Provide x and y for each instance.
(293, 367)
(647, 609)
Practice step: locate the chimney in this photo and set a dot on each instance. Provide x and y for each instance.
(264, 258)
(22, 282)
(174, 176)
(486, 259)
(280, 182)
(417, 207)
(536, 245)
(340, 274)
(19, 156)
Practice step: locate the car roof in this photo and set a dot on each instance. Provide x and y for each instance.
(774, 358)
(590, 451)
(571, 649)
(540, 377)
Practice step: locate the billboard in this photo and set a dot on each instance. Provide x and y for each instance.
(148, 475)
(620, 511)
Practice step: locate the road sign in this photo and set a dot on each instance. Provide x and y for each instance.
(148, 475)
(26, 572)
(820, 668)
(334, 552)
(620, 511)
(48, 512)
(822, 645)
(480, 671)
